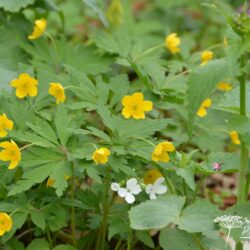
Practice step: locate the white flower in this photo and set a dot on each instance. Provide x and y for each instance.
(115, 186)
(132, 188)
(156, 188)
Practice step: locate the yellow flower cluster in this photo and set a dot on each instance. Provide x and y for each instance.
(206, 56)
(26, 85)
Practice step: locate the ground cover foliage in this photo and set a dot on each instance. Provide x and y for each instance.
(113, 117)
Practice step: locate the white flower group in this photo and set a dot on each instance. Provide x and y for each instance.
(133, 188)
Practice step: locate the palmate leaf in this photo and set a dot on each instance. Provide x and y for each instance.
(15, 5)
(42, 128)
(34, 176)
(202, 82)
(126, 129)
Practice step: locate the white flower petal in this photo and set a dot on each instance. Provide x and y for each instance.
(129, 198)
(115, 186)
(136, 190)
(152, 196)
(148, 188)
(122, 192)
(159, 181)
(131, 183)
(161, 189)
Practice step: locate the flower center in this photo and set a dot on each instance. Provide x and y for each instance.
(25, 86)
(134, 107)
(13, 153)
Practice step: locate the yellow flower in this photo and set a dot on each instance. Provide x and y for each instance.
(101, 155)
(39, 28)
(25, 85)
(10, 153)
(206, 56)
(172, 42)
(5, 124)
(151, 176)
(224, 86)
(202, 110)
(50, 182)
(160, 152)
(135, 106)
(5, 223)
(235, 137)
(57, 90)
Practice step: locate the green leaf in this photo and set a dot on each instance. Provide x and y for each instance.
(64, 247)
(188, 175)
(62, 122)
(38, 219)
(38, 244)
(42, 128)
(175, 239)
(199, 217)
(15, 5)
(58, 175)
(229, 162)
(202, 82)
(31, 138)
(118, 43)
(145, 238)
(156, 213)
(55, 216)
(94, 6)
(32, 177)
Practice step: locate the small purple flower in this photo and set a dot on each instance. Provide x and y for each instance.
(217, 166)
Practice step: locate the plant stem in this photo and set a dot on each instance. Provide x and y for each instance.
(117, 247)
(49, 238)
(129, 239)
(243, 149)
(198, 187)
(105, 211)
(73, 217)
(148, 51)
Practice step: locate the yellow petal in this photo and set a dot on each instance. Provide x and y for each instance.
(147, 105)
(206, 56)
(126, 112)
(3, 133)
(168, 146)
(137, 97)
(235, 137)
(164, 157)
(202, 112)
(224, 86)
(207, 103)
(32, 91)
(126, 100)
(13, 164)
(39, 28)
(21, 93)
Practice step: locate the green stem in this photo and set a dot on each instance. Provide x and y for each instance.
(169, 183)
(129, 239)
(198, 242)
(243, 150)
(148, 51)
(117, 247)
(49, 238)
(73, 217)
(197, 188)
(105, 211)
